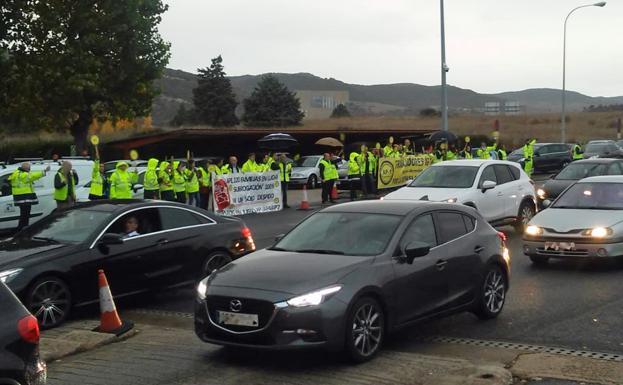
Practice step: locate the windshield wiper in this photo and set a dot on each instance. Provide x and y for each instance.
(320, 251)
(46, 239)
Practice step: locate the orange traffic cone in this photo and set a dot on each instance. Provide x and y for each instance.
(334, 194)
(305, 202)
(109, 320)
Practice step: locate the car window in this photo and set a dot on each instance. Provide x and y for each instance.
(444, 176)
(488, 174)
(72, 226)
(470, 223)
(422, 229)
(5, 186)
(576, 171)
(615, 169)
(544, 150)
(174, 218)
(147, 221)
(450, 226)
(515, 172)
(592, 196)
(561, 148)
(503, 174)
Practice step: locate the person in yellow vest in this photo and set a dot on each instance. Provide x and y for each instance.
(97, 190)
(151, 183)
(367, 167)
(407, 148)
(501, 152)
(24, 195)
(577, 152)
(528, 154)
(165, 177)
(122, 181)
(192, 183)
(329, 174)
(389, 147)
(231, 167)
(179, 182)
(451, 153)
(484, 152)
(396, 151)
(204, 184)
(250, 165)
(466, 153)
(354, 173)
(65, 182)
(285, 169)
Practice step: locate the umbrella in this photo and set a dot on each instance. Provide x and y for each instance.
(331, 142)
(443, 136)
(277, 142)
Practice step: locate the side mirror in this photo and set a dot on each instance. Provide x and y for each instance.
(488, 185)
(111, 239)
(415, 250)
(546, 203)
(279, 237)
(137, 187)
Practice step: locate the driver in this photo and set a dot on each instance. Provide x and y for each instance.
(131, 227)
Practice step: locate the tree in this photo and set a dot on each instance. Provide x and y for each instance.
(183, 116)
(272, 105)
(75, 61)
(215, 102)
(340, 111)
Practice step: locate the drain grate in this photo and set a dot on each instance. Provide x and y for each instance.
(163, 313)
(527, 347)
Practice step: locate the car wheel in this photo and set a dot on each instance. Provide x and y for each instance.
(312, 182)
(492, 293)
(215, 261)
(365, 330)
(49, 300)
(526, 212)
(539, 261)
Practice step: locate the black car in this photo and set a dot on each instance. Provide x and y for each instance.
(547, 156)
(350, 273)
(20, 363)
(577, 170)
(602, 149)
(141, 245)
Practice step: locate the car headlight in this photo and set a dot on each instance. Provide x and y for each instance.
(202, 288)
(314, 298)
(8, 275)
(598, 232)
(541, 193)
(533, 230)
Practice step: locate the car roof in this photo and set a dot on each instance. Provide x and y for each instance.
(119, 205)
(601, 141)
(472, 162)
(603, 179)
(390, 207)
(598, 161)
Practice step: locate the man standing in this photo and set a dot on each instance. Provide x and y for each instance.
(165, 178)
(367, 164)
(328, 172)
(284, 169)
(24, 196)
(65, 182)
(98, 181)
(354, 173)
(179, 182)
(502, 155)
(484, 152)
(577, 152)
(231, 167)
(192, 183)
(528, 153)
(151, 184)
(122, 181)
(250, 165)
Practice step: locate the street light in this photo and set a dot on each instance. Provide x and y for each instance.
(563, 123)
(444, 69)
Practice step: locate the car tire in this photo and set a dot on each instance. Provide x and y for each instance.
(312, 182)
(526, 212)
(365, 330)
(49, 300)
(538, 260)
(214, 261)
(492, 293)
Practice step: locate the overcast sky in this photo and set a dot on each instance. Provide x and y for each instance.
(492, 45)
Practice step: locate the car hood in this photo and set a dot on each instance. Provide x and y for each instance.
(554, 187)
(426, 193)
(286, 272)
(12, 251)
(303, 170)
(563, 220)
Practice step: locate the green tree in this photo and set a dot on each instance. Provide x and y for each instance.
(272, 105)
(214, 99)
(183, 116)
(340, 111)
(74, 61)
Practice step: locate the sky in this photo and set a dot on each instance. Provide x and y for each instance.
(491, 45)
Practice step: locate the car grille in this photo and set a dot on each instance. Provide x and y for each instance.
(264, 310)
(562, 253)
(552, 231)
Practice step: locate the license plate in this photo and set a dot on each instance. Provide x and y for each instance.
(238, 319)
(557, 246)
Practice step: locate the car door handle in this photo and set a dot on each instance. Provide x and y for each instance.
(441, 264)
(162, 242)
(478, 249)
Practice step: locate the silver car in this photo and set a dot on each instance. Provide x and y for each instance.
(307, 171)
(585, 221)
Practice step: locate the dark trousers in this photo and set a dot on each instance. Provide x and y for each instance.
(180, 196)
(168, 195)
(193, 198)
(96, 197)
(151, 194)
(204, 202)
(327, 187)
(24, 216)
(367, 184)
(284, 194)
(353, 191)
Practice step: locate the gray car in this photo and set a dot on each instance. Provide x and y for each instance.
(307, 171)
(585, 221)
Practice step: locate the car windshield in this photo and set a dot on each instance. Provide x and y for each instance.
(66, 227)
(597, 196)
(307, 161)
(446, 177)
(360, 234)
(596, 148)
(577, 171)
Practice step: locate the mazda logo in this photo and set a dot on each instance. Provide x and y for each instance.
(235, 305)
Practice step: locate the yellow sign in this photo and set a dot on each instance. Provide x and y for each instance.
(391, 140)
(467, 139)
(395, 172)
(133, 154)
(496, 135)
(95, 140)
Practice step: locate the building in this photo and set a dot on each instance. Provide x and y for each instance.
(320, 104)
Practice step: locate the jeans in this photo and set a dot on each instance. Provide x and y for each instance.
(193, 198)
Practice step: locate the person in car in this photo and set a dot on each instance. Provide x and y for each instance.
(131, 227)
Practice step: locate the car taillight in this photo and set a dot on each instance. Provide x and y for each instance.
(502, 236)
(28, 329)
(246, 233)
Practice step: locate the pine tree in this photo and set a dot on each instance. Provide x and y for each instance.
(340, 111)
(272, 105)
(214, 99)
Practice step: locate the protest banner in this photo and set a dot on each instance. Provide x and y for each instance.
(396, 172)
(246, 193)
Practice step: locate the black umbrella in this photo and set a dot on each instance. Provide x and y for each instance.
(443, 136)
(277, 142)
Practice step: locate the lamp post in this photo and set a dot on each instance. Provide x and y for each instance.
(563, 120)
(444, 69)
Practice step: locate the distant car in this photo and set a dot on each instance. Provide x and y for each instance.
(500, 190)
(307, 171)
(577, 170)
(547, 156)
(52, 265)
(351, 273)
(602, 149)
(20, 362)
(585, 221)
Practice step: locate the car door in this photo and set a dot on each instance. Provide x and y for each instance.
(542, 158)
(421, 287)
(509, 189)
(489, 202)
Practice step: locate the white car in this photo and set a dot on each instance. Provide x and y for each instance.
(44, 188)
(500, 190)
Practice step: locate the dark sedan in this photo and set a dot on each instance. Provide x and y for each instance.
(547, 156)
(20, 362)
(577, 170)
(350, 273)
(141, 245)
(602, 149)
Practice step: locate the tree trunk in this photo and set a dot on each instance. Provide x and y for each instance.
(80, 130)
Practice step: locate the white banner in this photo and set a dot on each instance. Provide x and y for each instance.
(246, 193)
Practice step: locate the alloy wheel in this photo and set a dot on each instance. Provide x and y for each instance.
(367, 329)
(526, 214)
(215, 261)
(494, 291)
(50, 303)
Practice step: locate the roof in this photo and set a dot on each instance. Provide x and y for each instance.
(601, 141)
(472, 162)
(598, 160)
(397, 207)
(603, 179)
(115, 205)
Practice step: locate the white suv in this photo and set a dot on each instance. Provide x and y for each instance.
(501, 191)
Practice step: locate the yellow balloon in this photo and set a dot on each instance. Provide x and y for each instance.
(133, 155)
(95, 140)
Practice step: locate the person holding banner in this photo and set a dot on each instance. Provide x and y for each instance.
(329, 174)
(231, 167)
(166, 184)
(250, 165)
(367, 168)
(151, 184)
(285, 169)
